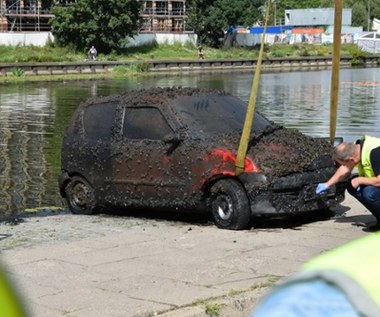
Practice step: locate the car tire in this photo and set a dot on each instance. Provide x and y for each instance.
(80, 196)
(230, 205)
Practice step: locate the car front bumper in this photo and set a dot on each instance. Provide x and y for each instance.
(282, 204)
(293, 194)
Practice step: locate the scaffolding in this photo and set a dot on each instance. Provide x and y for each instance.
(29, 16)
(23, 16)
(163, 16)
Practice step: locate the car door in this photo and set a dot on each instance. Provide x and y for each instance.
(146, 161)
(94, 152)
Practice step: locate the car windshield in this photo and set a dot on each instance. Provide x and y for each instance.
(216, 114)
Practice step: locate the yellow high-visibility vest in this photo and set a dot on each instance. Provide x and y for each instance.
(365, 166)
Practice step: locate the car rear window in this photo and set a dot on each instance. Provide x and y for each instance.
(98, 120)
(145, 123)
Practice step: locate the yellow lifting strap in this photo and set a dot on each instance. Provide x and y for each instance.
(245, 136)
(335, 68)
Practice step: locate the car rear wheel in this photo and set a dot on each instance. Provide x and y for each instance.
(230, 205)
(80, 196)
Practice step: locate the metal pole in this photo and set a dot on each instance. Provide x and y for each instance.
(335, 68)
(275, 12)
(369, 16)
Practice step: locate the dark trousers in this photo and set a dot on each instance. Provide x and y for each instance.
(369, 196)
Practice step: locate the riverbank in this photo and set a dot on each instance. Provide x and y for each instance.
(52, 63)
(176, 51)
(18, 72)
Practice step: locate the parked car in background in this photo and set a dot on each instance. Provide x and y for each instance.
(175, 149)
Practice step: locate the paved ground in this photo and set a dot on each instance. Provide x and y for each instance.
(89, 266)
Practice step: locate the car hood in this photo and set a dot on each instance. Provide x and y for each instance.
(278, 151)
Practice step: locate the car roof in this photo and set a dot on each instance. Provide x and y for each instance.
(201, 111)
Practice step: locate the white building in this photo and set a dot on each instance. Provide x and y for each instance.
(315, 17)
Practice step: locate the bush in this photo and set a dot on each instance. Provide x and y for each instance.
(143, 67)
(358, 57)
(18, 72)
(121, 70)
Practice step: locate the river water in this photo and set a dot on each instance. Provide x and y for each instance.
(33, 117)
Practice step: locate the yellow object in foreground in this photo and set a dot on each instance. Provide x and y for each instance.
(10, 304)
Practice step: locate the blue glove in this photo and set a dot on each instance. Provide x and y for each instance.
(321, 188)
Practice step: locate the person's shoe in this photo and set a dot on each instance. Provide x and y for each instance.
(372, 228)
(360, 224)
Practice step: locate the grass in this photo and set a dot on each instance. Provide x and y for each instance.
(212, 310)
(26, 54)
(176, 51)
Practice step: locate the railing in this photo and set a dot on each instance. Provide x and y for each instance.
(27, 12)
(163, 12)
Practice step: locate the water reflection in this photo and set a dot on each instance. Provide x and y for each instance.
(33, 117)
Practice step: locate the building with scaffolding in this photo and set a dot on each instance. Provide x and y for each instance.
(165, 16)
(24, 16)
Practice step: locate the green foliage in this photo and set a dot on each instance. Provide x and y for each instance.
(303, 52)
(177, 46)
(134, 68)
(30, 53)
(280, 50)
(18, 72)
(189, 45)
(212, 310)
(9, 54)
(102, 23)
(359, 15)
(142, 67)
(121, 70)
(211, 18)
(358, 57)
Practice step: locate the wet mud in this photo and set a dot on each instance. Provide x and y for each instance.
(282, 151)
(276, 150)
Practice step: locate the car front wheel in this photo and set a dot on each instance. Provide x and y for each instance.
(230, 205)
(80, 196)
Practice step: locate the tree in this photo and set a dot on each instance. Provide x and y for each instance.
(211, 18)
(359, 15)
(102, 23)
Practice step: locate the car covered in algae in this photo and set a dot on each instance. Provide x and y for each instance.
(175, 149)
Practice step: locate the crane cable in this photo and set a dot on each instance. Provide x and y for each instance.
(246, 133)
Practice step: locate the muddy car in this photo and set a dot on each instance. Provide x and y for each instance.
(175, 149)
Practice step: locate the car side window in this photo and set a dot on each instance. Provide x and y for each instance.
(145, 123)
(98, 120)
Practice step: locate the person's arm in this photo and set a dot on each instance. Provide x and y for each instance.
(341, 173)
(372, 181)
